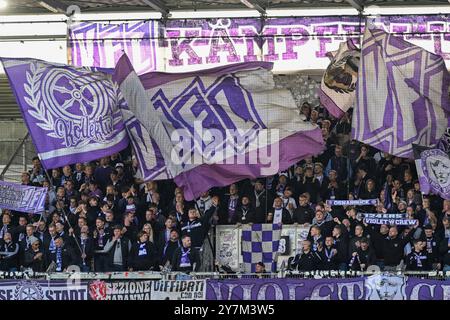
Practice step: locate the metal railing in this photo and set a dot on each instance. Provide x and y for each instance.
(149, 275)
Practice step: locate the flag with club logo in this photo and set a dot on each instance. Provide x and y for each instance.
(433, 170)
(260, 244)
(213, 127)
(337, 89)
(402, 95)
(72, 114)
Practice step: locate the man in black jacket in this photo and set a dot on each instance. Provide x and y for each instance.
(197, 227)
(431, 243)
(143, 255)
(307, 260)
(304, 214)
(100, 236)
(34, 257)
(169, 248)
(341, 245)
(186, 258)
(245, 212)
(393, 246)
(261, 199)
(280, 214)
(85, 256)
(418, 259)
(9, 254)
(328, 255)
(62, 257)
(363, 257)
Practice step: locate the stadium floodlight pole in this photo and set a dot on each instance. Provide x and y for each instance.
(357, 4)
(158, 6)
(254, 4)
(54, 6)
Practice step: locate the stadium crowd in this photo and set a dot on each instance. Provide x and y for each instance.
(102, 217)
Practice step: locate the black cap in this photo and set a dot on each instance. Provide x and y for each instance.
(428, 227)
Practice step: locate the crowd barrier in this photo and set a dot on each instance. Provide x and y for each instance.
(216, 286)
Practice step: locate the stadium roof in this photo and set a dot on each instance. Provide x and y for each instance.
(166, 6)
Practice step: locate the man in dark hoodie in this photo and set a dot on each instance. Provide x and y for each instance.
(196, 227)
(304, 213)
(169, 248)
(143, 254)
(341, 245)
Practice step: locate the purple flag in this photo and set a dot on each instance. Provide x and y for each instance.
(213, 127)
(433, 170)
(71, 113)
(402, 95)
(22, 198)
(337, 90)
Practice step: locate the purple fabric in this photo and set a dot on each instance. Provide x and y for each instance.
(202, 43)
(22, 198)
(285, 289)
(154, 79)
(433, 170)
(409, 90)
(71, 113)
(322, 289)
(224, 174)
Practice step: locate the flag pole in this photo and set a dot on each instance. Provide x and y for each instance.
(63, 209)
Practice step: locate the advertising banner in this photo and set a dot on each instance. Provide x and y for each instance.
(119, 290)
(178, 290)
(42, 290)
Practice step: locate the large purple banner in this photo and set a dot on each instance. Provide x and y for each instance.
(376, 287)
(285, 289)
(291, 43)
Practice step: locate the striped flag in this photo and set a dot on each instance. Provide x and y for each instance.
(213, 127)
(402, 95)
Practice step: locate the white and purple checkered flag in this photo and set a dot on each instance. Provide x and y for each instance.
(260, 244)
(401, 97)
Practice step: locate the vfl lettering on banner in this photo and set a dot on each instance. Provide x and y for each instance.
(41, 290)
(95, 44)
(119, 290)
(178, 290)
(291, 43)
(22, 198)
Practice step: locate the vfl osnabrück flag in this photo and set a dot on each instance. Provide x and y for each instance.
(402, 95)
(22, 198)
(433, 170)
(337, 89)
(71, 113)
(213, 127)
